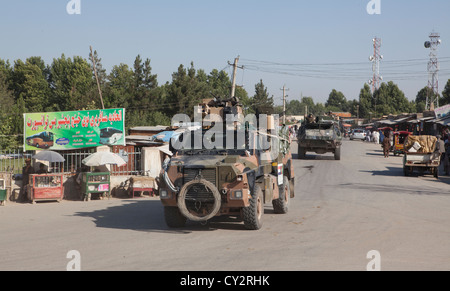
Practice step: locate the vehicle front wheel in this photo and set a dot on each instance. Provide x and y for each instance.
(301, 152)
(436, 172)
(252, 215)
(407, 171)
(173, 217)
(337, 154)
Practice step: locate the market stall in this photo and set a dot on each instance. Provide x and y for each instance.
(98, 182)
(45, 187)
(95, 184)
(2, 192)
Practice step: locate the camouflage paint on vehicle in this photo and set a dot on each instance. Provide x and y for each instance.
(200, 184)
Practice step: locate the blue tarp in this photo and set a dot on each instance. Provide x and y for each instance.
(164, 136)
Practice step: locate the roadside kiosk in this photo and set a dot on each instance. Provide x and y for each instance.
(95, 183)
(2, 192)
(45, 187)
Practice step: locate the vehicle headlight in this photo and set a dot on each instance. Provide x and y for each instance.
(164, 194)
(236, 194)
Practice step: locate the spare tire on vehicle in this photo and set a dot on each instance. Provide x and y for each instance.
(199, 200)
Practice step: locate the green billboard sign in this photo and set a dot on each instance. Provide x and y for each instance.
(74, 129)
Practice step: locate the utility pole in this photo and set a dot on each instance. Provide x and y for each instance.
(284, 103)
(235, 67)
(96, 77)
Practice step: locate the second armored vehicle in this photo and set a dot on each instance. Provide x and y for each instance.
(320, 135)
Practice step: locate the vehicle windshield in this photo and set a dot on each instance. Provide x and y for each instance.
(319, 126)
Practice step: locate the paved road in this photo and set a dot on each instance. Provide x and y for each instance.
(343, 210)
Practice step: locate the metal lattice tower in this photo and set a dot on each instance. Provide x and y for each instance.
(433, 69)
(375, 59)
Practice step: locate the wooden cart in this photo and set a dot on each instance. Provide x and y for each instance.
(140, 185)
(45, 187)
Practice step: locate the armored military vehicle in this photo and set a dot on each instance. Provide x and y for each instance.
(320, 135)
(230, 174)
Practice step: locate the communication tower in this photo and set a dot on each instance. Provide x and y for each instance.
(433, 70)
(375, 59)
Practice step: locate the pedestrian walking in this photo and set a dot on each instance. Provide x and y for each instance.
(440, 146)
(447, 158)
(368, 135)
(386, 145)
(27, 170)
(376, 137)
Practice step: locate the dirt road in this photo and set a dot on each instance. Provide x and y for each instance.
(343, 210)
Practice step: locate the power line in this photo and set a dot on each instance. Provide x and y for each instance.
(396, 69)
(249, 61)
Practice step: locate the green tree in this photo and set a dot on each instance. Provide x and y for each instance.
(101, 72)
(8, 137)
(445, 94)
(336, 101)
(220, 84)
(120, 87)
(366, 108)
(307, 105)
(145, 91)
(244, 99)
(73, 85)
(390, 100)
(421, 98)
(186, 91)
(28, 81)
(261, 102)
(6, 71)
(294, 107)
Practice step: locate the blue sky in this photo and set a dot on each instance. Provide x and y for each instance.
(210, 33)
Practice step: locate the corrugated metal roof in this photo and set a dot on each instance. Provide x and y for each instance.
(149, 128)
